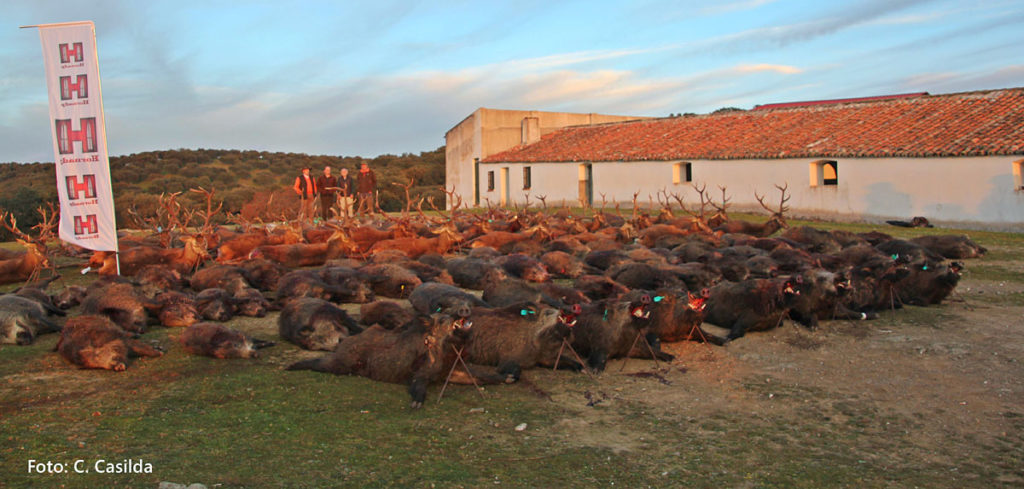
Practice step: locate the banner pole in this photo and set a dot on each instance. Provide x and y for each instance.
(103, 117)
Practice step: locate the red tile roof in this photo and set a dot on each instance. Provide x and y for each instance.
(960, 124)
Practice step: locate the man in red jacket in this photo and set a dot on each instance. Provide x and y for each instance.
(305, 186)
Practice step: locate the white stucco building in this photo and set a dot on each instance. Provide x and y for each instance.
(956, 159)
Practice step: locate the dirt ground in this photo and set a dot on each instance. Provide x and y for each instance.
(939, 387)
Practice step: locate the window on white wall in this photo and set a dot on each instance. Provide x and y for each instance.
(824, 173)
(682, 173)
(490, 181)
(1018, 175)
(526, 178)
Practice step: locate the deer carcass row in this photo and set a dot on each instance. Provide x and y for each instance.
(446, 240)
(307, 255)
(184, 260)
(238, 248)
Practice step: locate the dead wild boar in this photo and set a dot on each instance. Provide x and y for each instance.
(909, 250)
(610, 329)
(123, 304)
(517, 337)
(177, 310)
(160, 277)
(228, 277)
(417, 354)
(676, 315)
(432, 297)
(474, 273)
(751, 305)
(69, 297)
(523, 266)
(928, 282)
(263, 274)
(821, 298)
(22, 320)
(951, 246)
(390, 280)
(94, 341)
(315, 324)
(388, 314)
(643, 276)
(304, 283)
(215, 305)
(347, 284)
(605, 260)
(598, 287)
(428, 273)
(250, 302)
(219, 341)
(562, 265)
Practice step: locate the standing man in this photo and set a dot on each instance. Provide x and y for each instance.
(347, 187)
(366, 184)
(326, 184)
(305, 186)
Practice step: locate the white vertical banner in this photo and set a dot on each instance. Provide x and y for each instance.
(79, 135)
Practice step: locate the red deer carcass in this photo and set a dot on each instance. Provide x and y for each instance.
(307, 255)
(446, 240)
(238, 248)
(775, 222)
(26, 265)
(183, 260)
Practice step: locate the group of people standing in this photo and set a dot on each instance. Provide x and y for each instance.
(338, 191)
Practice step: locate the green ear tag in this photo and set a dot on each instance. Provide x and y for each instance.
(658, 298)
(522, 312)
(924, 267)
(605, 318)
(438, 309)
(895, 256)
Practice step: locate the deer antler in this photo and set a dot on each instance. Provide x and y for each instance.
(544, 201)
(782, 203)
(408, 200)
(210, 211)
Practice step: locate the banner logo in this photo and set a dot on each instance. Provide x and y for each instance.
(86, 225)
(76, 51)
(66, 136)
(75, 188)
(79, 87)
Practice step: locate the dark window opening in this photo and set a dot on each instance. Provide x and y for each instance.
(526, 178)
(830, 173)
(490, 181)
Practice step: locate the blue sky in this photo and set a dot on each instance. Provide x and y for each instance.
(365, 78)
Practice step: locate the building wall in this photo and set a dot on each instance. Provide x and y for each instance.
(489, 131)
(970, 191)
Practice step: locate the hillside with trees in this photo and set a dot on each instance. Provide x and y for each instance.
(256, 184)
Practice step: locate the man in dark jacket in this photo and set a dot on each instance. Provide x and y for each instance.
(327, 185)
(347, 187)
(366, 185)
(305, 186)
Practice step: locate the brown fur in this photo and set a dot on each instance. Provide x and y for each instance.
(96, 342)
